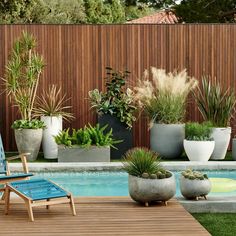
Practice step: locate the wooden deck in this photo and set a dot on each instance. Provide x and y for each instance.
(101, 216)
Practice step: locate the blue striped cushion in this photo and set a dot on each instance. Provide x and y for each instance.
(39, 189)
(6, 177)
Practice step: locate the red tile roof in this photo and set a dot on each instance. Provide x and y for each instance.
(161, 17)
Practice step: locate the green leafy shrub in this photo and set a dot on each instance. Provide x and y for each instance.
(192, 175)
(198, 132)
(86, 137)
(144, 163)
(28, 124)
(163, 97)
(216, 104)
(115, 101)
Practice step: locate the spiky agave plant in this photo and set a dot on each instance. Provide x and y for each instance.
(215, 103)
(51, 103)
(141, 160)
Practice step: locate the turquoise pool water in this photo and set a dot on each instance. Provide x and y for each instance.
(116, 183)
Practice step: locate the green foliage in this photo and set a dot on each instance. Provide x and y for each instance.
(144, 163)
(22, 74)
(16, 11)
(192, 175)
(115, 101)
(215, 103)
(152, 3)
(59, 12)
(102, 12)
(205, 11)
(198, 132)
(87, 136)
(28, 124)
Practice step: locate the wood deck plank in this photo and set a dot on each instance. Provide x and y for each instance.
(101, 216)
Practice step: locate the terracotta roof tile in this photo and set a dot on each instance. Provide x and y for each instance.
(161, 17)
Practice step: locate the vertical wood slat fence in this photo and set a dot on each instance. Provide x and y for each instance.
(76, 57)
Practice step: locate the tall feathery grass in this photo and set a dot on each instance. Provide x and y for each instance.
(162, 96)
(215, 103)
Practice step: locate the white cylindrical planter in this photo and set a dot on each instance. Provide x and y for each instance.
(53, 128)
(198, 150)
(167, 139)
(222, 139)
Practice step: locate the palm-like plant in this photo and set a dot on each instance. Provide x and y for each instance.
(22, 74)
(216, 104)
(51, 103)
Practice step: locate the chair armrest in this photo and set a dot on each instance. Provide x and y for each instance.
(23, 158)
(17, 156)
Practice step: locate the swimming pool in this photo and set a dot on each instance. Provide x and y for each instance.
(116, 183)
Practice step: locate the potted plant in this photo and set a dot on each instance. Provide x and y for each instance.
(51, 110)
(194, 184)
(22, 75)
(148, 182)
(88, 144)
(115, 107)
(216, 104)
(163, 99)
(198, 143)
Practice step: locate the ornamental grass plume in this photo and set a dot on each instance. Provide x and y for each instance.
(162, 96)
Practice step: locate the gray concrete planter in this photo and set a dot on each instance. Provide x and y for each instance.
(151, 190)
(234, 149)
(222, 139)
(29, 140)
(167, 139)
(78, 154)
(193, 189)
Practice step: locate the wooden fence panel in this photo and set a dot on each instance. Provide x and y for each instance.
(76, 57)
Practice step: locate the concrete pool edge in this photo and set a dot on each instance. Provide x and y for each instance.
(117, 166)
(212, 205)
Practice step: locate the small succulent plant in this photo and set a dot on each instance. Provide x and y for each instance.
(194, 175)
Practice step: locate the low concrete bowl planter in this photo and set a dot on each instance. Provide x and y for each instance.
(78, 154)
(167, 139)
(198, 150)
(151, 190)
(193, 189)
(29, 141)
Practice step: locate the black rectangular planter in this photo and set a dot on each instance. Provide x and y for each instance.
(120, 132)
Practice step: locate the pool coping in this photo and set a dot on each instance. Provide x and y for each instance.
(117, 166)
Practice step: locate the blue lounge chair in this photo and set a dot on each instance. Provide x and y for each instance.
(5, 174)
(35, 192)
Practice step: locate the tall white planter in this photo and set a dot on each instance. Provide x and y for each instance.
(198, 150)
(222, 139)
(53, 128)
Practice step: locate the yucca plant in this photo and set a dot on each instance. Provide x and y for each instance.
(163, 97)
(138, 161)
(215, 103)
(22, 75)
(51, 103)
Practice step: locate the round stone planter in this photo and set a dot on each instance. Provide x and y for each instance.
(193, 189)
(198, 150)
(167, 139)
(222, 139)
(151, 190)
(29, 141)
(53, 128)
